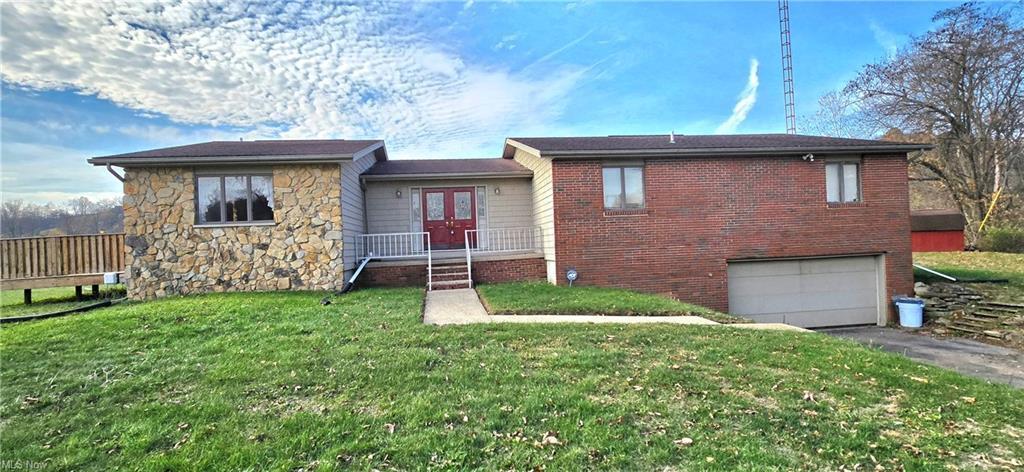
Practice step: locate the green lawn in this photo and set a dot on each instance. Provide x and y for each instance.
(541, 298)
(977, 265)
(277, 381)
(49, 300)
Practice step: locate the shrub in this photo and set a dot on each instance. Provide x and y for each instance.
(1003, 239)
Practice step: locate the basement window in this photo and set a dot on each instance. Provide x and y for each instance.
(232, 199)
(842, 182)
(623, 187)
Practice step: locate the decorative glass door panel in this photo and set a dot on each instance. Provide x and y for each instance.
(447, 214)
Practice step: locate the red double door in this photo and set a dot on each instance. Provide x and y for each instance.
(447, 214)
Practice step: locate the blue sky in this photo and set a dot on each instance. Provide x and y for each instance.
(432, 79)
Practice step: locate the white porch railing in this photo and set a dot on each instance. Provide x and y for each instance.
(394, 246)
(499, 240)
(478, 241)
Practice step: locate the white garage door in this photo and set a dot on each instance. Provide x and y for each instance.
(807, 292)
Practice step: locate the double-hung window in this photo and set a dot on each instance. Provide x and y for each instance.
(623, 187)
(842, 182)
(245, 198)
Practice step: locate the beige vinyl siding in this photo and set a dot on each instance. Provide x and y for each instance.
(543, 204)
(513, 208)
(352, 218)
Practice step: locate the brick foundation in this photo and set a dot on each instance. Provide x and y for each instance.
(702, 212)
(492, 271)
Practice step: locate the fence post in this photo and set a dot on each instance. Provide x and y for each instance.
(469, 261)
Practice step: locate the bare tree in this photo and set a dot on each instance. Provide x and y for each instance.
(76, 216)
(838, 115)
(962, 86)
(11, 217)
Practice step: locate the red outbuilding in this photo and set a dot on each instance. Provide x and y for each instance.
(936, 230)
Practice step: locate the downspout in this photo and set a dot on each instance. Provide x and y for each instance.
(115, 174)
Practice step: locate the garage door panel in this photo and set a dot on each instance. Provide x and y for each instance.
(809, 293)
(830, 283)
(840, 298)
(761, 270)
(767, 285)
(819, 319)
(838, 265)
(765, 304)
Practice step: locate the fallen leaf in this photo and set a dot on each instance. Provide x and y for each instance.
(549, 439)
(683, 442)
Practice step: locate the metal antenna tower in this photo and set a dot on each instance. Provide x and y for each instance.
(787, 67)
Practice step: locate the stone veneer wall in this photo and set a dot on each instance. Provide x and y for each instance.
(166, 253)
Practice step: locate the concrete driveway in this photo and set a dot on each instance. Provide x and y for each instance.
(973, 358)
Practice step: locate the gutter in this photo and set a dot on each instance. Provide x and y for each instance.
(210, 160)
(689, 152)
(126, 161)
(726, 152)
(114, 173)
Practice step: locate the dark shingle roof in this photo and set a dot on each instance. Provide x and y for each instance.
(215, 150)
(936, 220)
(710, 144)
(447, 166)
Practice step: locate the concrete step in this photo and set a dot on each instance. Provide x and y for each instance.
(450, 284)
(461, 266)
(451, 275)
(457, 270)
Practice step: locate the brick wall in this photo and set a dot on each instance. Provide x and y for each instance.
(483, 272)
(702, 212)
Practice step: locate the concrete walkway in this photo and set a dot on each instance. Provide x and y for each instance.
(462, 306)
(973, 358)
(687, 320)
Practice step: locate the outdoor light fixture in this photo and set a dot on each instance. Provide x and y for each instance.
(398, 193)
(497, 190)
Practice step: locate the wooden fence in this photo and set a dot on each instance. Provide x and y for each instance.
(59, 261)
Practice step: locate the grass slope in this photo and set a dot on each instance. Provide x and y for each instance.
(50, 300)
(977, 265)
(277, 381)
(541, 298)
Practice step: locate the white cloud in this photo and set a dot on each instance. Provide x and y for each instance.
(507, 42)
(745, 102)
(889, 41)
(315, 70)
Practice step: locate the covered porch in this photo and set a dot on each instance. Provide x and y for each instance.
(449, 222)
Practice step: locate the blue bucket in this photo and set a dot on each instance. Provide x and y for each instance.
(911, 311)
